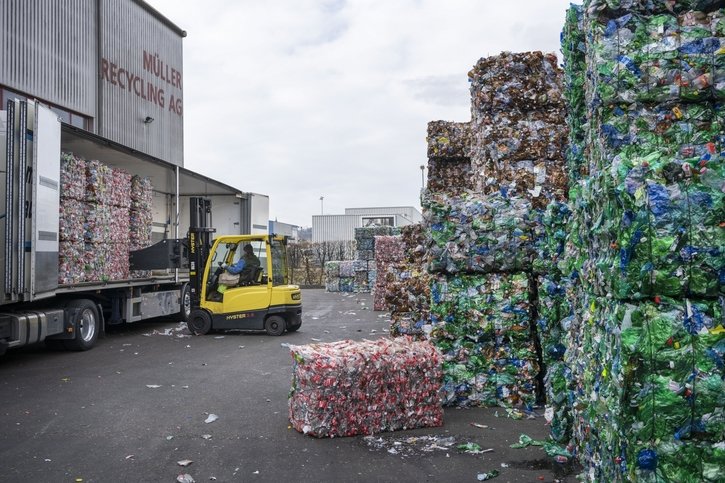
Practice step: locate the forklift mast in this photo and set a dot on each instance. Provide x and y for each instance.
(199, 244)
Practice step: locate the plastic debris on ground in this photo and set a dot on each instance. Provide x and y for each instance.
(488, 475)
(410, 446)
(347, 388)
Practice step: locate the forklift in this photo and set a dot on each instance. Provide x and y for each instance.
(266, 301)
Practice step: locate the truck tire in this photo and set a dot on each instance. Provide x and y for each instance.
(86, 324)
(199, 322)
(275, 325)
(185, 309)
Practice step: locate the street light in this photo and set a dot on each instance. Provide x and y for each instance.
(422, 177)
(322, 211)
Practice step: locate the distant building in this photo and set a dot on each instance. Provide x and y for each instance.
(284, 229)
(305, 234)
(342, 227)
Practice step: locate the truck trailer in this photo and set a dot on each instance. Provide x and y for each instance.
(37, 306)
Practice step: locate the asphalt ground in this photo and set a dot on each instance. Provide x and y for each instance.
(135, 406)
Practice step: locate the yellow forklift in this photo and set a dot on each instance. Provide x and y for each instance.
(265, 301)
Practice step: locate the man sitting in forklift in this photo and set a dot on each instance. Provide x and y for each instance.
(246, 266)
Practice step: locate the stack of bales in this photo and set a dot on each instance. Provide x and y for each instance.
(407, 286)
(104, 213)
(357, 275)
(94, 221)
(646, 343)
(484, 241)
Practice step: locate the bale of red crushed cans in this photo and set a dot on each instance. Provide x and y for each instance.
(97, 223)
(347, 388)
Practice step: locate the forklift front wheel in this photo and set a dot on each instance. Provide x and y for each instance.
(199, 322)
(275, 325)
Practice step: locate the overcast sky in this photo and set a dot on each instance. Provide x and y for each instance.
(298, 99)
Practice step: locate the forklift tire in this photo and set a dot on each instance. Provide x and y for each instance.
(87, 325)
(294, 327)
(199, 322)
(275, 325)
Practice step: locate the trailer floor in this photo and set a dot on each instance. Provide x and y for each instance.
(135, 406)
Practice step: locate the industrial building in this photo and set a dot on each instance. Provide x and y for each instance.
(342, 227)
(284, 229)
(112, 70)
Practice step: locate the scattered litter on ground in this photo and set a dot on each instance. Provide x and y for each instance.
(410, 446)
(184, 462)
(185, 478)
(487, 476)
(211, 418)
(153, 386)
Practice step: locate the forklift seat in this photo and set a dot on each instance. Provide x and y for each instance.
(255, 280)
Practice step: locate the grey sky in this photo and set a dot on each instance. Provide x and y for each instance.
(299, 99)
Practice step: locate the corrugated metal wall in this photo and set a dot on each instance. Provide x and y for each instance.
(141, 76)
(48, 50)
(408, 211)
(334, 227)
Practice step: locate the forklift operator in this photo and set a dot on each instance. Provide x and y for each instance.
(246, 266)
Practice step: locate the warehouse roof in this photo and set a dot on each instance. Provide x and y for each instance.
(92, 146)
(159, 16)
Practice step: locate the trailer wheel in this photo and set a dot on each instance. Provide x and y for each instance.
(275, 325)
(199, 322)
(185, 305)
(86, 325)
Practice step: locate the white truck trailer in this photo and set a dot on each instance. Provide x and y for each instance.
(34, 306)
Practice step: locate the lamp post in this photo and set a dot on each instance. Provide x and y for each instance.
(322, 211)
(422, 176)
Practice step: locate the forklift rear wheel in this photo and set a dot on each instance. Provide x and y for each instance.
(199, 322)
(275, 325)
(86, 325)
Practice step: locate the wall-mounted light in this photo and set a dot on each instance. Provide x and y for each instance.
(148, 120)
